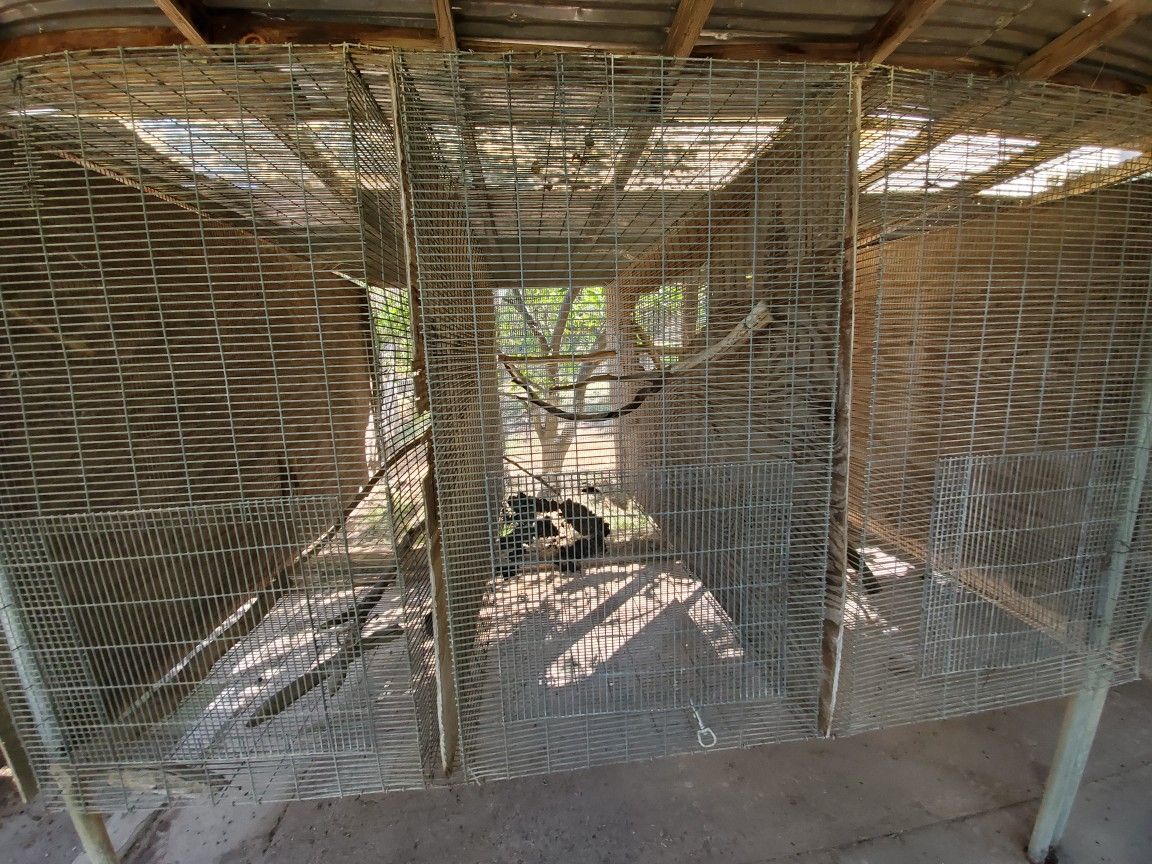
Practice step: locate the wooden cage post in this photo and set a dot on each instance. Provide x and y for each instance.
(836, 582)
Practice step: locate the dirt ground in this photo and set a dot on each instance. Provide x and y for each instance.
(957, 792)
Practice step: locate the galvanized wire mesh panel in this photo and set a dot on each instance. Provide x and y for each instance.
(256, 726)
(633, 274)
(196, 129)
(637, 632)
(205, 314)
(1038, 525)
(400, 416)
(602, 620)
(1001, 358)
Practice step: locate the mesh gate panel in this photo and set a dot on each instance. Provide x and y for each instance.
(1001, 356)
(630, 282)
(1040, 526)
(293, 741)
(635, 633)
(206, 356)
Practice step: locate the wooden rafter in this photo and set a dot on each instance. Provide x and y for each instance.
(186, 16)
(890, 32)
(1082, 39)
(689, 20)
(445, 29)
(34, 44)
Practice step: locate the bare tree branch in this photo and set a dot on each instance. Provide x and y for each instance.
(758, 317)
(521, 306)
(562, 316)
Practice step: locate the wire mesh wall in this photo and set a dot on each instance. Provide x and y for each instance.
(206, 354)
(400, 418)
(630, 287)
(1001, 372)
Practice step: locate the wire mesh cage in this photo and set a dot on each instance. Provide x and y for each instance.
(1001, 377)
(630, 285)
(364, 422)
(207, 354)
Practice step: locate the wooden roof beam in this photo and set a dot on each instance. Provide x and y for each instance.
(445, 29)
(687, 24)
(1082, 39)
(36, 44)
(187, 17)
(890, 32)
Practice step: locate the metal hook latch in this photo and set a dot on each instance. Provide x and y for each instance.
(704, 735)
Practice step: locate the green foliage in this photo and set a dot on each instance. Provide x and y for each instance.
(585, 321)
(660, 313)
(392, 318)
(584, 325)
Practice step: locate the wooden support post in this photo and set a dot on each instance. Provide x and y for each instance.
(1076, 737)
(836, 571)
(12, 748)
(1083, 714)
(93, 834)
(90, 827)
(447, 703)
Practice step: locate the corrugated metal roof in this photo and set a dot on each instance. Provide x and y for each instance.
(394, 13)
(992, 32)
(787, 21)
(640, 22)
(26, 17)
(1130, 53)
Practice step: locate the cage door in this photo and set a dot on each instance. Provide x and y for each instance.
(1017, 551)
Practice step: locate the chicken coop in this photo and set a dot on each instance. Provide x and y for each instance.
(375, 419)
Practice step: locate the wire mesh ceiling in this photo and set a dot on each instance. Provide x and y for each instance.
(366, 422)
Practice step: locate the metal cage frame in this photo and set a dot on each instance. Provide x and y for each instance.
(450, 434)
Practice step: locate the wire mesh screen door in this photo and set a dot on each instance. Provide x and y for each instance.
(629, 285)
(1000, 363)
(1040, 526)
(647, 637)
(212, 585)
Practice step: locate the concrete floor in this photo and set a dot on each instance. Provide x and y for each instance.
(962, 791)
